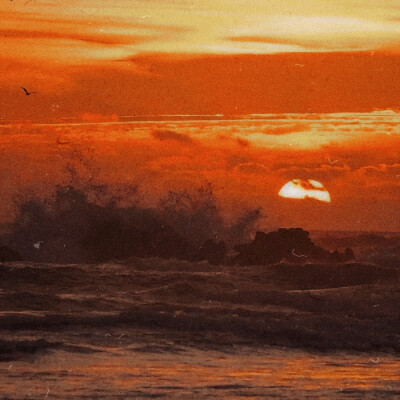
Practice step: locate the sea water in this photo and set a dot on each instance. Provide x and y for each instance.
(126, 366)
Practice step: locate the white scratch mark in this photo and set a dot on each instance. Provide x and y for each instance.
(298, 255)
(151, 290)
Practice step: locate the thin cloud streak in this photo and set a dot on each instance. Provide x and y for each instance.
(101, 39)
(171, 135)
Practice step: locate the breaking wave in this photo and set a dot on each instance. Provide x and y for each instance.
(80, 226)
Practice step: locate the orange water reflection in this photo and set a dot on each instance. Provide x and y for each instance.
(305, 372)
(198, 373)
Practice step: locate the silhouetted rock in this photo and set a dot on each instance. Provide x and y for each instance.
(7, 254)
(292, 245)
(348, 254)
(213, 252)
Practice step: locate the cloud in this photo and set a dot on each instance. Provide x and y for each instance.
(172, 136)
(358, 168)
(233, 160)
(381, 169)
(92, 117)
(320, 32)
(101, 39)
(64, 40)
(324, 173)
(251, 168)
(285, 129)
(273, 40)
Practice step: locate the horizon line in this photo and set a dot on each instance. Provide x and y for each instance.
(144, 118)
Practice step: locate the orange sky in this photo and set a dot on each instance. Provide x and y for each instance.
(247, 161)
(327, 72)
(161, 56)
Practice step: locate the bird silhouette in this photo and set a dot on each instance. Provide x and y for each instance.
(332, 162)
(26, 91)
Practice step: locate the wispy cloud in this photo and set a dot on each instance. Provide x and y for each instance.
(99, 38)
(171, 135)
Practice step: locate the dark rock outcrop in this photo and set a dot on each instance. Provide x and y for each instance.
(291, 245)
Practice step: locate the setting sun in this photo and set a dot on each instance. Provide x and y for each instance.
(303, 189)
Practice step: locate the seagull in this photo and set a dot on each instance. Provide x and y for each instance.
(26, 92)
(332, 162)
(38, 244)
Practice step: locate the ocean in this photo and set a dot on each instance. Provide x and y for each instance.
(153, 328)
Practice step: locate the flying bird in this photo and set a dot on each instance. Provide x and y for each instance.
(26, 91)
(332, 162)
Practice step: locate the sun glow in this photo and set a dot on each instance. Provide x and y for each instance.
(302, 189)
